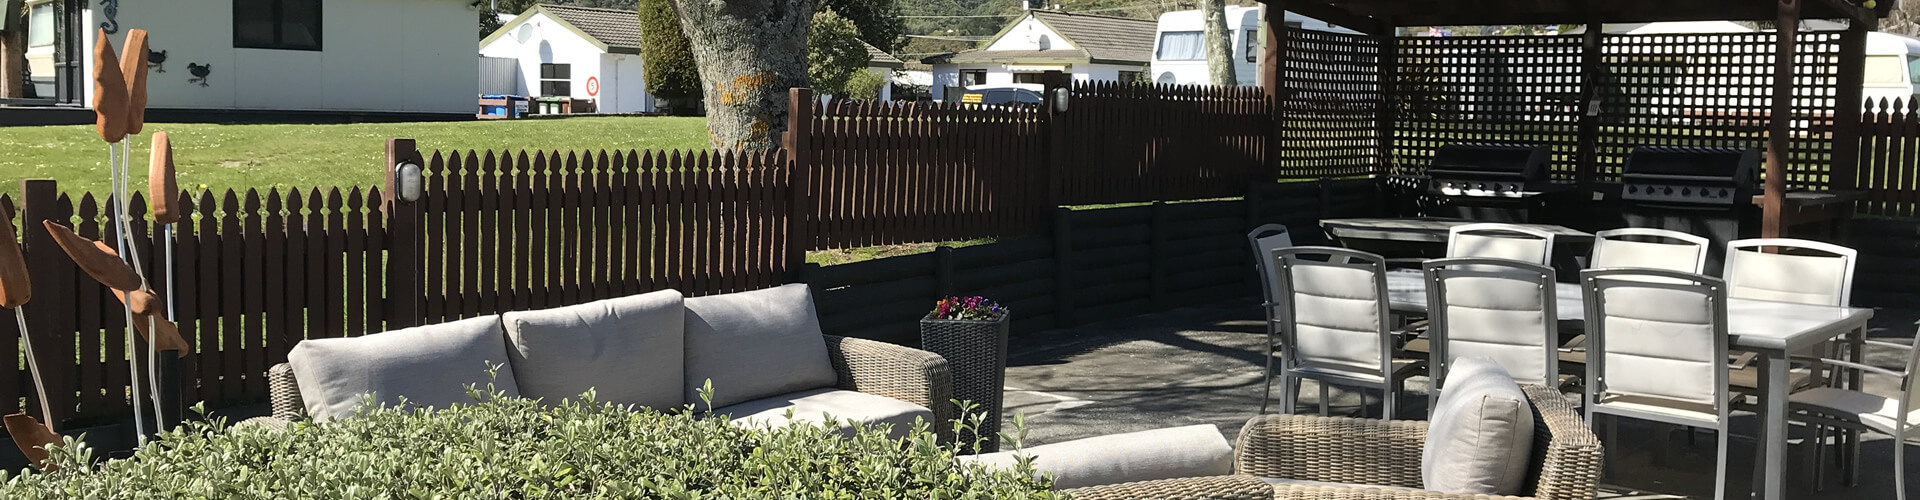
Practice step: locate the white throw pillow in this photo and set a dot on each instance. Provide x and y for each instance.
(429, 365)
(1174, 452)
(754, 345)
(1481, 437)
(629, 350)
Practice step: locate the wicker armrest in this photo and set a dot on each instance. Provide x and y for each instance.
(898, 372)
(1330, 492)
(285, 393)
(1332, 449)
(1189, 488)
(1569, 464)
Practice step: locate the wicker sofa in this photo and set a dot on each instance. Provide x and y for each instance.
(1565, 464)
(868, 368)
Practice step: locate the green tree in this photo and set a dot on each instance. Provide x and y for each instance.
(878, 20)
(491, 11)
(668, 57)
(834, 52)
(866, 86)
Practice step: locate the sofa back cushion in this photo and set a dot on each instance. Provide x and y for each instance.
(428, 365)
(1481, 435)
(629, 350)
(754, 345)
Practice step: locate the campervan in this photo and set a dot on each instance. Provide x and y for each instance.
(1180, 56)
(1892, 68)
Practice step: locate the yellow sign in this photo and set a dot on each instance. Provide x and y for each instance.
(970, 98)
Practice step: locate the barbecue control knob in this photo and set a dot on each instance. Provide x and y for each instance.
(1669, 190)
(1687, 192)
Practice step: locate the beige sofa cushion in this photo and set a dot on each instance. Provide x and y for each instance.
(1191, 451)
(1481, 434)
(754, 345)
(429, 365)
(815, 405)
(629, 350)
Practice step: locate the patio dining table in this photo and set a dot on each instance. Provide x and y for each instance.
(1769, 329)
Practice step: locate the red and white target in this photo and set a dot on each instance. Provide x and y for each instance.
(593, 86)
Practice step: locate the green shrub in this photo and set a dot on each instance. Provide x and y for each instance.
(507, 447)
(866, 86)
(669, 68)
(834, 52)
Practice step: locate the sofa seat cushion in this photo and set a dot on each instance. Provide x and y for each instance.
(1283, 483)
(428, 365)
(1174, 452)
(814, 406)
(753, 345)
(629, 350)
(1481, 436)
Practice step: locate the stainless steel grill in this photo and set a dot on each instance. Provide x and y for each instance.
(1490, 171)
(1691, 176)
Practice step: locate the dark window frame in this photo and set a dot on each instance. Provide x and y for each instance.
(556, 74)
(965, 72)
(279, 22)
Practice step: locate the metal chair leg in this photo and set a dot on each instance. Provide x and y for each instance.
(1900, 467)
(1388, 401)
(1852, 456)
(1266, 390)
(1817, 448)
(1324, 402)
(1720, 472)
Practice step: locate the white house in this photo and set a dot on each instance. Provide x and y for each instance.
(1088, 46)
(583, 53)
(361, 56)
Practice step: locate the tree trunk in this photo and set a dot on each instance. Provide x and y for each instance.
(749, 52)
(1219, 44)
(13, 55)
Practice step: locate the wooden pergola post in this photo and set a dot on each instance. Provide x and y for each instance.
(1590, 70)
(1272, 74)
(1780, 117)
(1389, 108)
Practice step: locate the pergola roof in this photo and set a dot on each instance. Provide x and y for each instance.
(1372, 15)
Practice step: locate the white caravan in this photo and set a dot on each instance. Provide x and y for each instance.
(1180, 57)
(1893, 68)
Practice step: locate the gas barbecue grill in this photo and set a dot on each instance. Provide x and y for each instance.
(1491, 182)
(1701, 191)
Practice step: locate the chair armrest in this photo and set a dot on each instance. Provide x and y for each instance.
(1332, 449)
(1569, 464)
(1186, 488)
(897, 372)
(285, 393)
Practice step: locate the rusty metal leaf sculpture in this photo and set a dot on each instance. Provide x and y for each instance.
(98, 260)
(32, 437)
(133, 67)
(109, 91)
(163, 189)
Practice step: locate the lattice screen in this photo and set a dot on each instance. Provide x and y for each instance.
(1713, 90)
(1500, 90)
(1330, 106)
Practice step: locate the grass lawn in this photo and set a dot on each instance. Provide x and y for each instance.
(256, 156)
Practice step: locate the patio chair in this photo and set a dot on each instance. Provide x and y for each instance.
(1264, 240)
(1378, 459)
(1638, 247)
(1804, 272)
(1500, 241)
(1338, 327)
(1496, 308)
(1657, 351)
(1857, 411)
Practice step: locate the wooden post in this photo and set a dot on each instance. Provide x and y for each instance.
(1848, 107)
(1780, 118)
(1056, 147)
(1157, 227)
(1589, 108)
(1386, 116)
(1272, 75)
(799, 145)
(1063, 294)
(404, 270)
(54, 324)
(943, 272)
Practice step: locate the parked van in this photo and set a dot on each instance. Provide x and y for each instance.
(1180, 56)
(1893, 67)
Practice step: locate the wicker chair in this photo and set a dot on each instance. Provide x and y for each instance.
(868, 366)
(1237, 487)
(1565, 464)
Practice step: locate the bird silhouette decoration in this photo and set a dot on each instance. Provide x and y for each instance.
(200, 72)
(157, 60)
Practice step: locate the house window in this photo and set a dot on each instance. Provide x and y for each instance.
(1181, 46)
(969, 77)
(1129, 77)
(556, 80)
(39, 25)
(1250, 43)
(276, 24)
(1030, 78)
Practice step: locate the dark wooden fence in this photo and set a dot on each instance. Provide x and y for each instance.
(1889, 165)
(1122, 143)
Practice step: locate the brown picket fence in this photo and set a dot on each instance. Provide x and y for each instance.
(1123, 143)
(1889, 168)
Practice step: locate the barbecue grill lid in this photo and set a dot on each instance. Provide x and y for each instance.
(1735, 164)
(1518, 160)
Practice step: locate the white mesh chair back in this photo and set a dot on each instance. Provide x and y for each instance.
(1648, 248)
(1337, 308)
(1805, 272)
(1264, 240)
(1494, 308)
(1500, 241)
(1656, 334)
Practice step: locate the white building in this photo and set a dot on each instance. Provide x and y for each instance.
(1090, 47)
(359, 56)
(583, 53)
(1180, 55)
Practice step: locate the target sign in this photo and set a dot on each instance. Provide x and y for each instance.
(593, 86)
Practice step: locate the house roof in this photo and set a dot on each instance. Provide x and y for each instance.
(1016, 56)
(877, 58)
(1104, 38)
(613, 27)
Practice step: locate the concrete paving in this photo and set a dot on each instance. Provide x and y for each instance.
(1204, 365)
